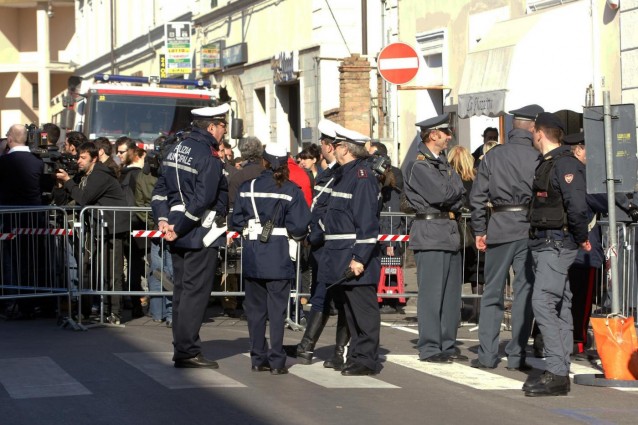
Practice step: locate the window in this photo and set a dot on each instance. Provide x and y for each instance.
(34, 96)
(431, 46)
(534, 5)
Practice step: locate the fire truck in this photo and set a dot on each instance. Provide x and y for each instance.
(142, 108)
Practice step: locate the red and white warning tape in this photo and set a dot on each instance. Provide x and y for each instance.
(52, 232)
(393, 238)
(158, 234)
(6, 236)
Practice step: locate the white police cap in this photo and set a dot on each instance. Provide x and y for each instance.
(350, 136)
(212, 112)
(276, 154)
(328, 129)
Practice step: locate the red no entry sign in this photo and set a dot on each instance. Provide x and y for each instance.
(398, 63)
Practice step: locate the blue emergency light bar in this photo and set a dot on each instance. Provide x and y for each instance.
(105, 78)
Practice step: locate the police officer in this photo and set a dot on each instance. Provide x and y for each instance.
(269, 210)
(558, 219)
(504, 179)
(189, 195)
(320, 299)
(436, 192)
(351, 226)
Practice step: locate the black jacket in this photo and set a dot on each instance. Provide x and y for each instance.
(101, 188)
(20, 179)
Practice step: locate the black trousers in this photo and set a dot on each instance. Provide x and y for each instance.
(194, 274)
(266, 299)
(364, 322)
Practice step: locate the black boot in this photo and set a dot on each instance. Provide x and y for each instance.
(343, 336)
(304, 350)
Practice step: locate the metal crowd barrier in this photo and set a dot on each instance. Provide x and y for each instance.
(36, 245)
(627, 262)
(89, 264)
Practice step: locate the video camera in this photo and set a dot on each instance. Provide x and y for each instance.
(53, 159)
(379, 164)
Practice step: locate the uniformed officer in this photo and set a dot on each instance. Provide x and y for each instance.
(558, 219)
(269, 210)
(320, 299)
(504, 179)
(436, 192)
(351, 226)
(190, 189)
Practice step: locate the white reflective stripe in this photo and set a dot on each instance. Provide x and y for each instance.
(341, 194)
(266, 195)
(181, 167)
(323, 189)
(162, 219)
(322, 225)
(191, 216)
(178, 207)
(341, 237)
(159, 198)
(371, 240)
(279, 231)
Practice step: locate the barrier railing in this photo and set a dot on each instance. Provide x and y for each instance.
(114, 264)
(36, 245)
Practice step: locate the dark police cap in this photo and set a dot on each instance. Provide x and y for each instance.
(212, 112)
(549, 120)
(574, 139)
(438, 122)
(528, 112)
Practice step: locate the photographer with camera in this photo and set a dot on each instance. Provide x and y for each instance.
(97, 185)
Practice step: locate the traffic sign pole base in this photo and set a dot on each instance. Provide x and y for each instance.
(599, 380)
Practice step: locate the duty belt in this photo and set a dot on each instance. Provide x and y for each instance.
(510, 208)
(433, 216)
(535, 233)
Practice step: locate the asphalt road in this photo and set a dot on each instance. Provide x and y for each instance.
(123, 375)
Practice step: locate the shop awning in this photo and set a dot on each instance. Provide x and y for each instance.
(543, 58)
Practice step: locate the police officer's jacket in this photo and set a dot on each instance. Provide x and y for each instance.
(567, 179)
(322, 190)
(351, 225)
(504, 178)
(270, 260)
(191, 185)
(433, 187)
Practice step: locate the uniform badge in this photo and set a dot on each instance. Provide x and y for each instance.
(569, 178)
(361, 173)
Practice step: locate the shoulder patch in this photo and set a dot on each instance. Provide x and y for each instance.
(569, 178)
(362, 173)
(420, 157)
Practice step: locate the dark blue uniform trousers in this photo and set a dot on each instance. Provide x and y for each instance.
(439, 303)
(498, 259)
(194, 273)
(267, 299)
(364, 322)
(552, 303)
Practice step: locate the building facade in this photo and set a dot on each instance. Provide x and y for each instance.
(36, 41)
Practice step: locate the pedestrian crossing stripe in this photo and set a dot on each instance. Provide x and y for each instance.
(330, 378)
(159, 367)
(38, 377)
(458, 373)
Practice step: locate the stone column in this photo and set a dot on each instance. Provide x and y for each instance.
(44, 62)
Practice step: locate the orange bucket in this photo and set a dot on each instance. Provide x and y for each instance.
(617, 346)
